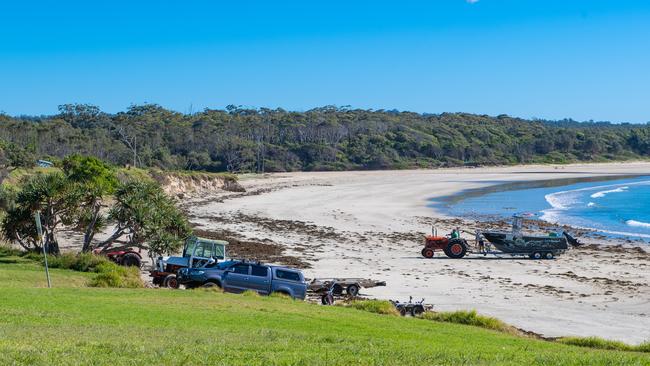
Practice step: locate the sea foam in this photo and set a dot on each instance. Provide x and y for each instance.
(635, 223)
(604, 193)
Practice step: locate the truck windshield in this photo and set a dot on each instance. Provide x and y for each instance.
(189, 248)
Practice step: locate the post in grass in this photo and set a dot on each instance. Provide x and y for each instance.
(39, 230)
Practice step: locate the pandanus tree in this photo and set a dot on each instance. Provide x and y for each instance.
(145, 217)
(55, 199)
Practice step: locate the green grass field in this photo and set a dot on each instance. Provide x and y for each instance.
(75, 325)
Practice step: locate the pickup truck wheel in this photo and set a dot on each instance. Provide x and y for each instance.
(211, 285)
(170, 281)
(131, 260)
(353, 290)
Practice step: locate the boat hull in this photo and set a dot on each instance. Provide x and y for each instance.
(509, 243)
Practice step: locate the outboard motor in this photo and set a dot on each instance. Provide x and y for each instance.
(571, 240)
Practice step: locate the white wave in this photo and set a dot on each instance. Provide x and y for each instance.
(555, 216)
(591, 204)
(604, 193)
(635, 223)
(563, 200)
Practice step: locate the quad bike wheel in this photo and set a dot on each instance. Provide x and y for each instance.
(327, 299)
(131, 260)
(427, 253)
(456, 249)
(416, 310)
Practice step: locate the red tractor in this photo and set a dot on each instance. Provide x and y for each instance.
(122, 256)
(453, 248)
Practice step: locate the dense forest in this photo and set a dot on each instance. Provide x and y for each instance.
(329, 138)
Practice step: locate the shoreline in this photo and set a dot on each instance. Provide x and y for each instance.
(371, 224)
(444, 205)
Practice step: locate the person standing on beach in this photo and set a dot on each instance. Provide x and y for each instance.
(480, 243)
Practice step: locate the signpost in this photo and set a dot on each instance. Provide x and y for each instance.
(39, 230)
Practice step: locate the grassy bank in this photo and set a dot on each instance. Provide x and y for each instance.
(76, 325)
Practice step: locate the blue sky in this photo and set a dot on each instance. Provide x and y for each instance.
(547, 59)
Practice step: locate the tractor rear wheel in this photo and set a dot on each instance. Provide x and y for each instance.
(427, 253)
(131, 260)
(456, 249)
(171, 281)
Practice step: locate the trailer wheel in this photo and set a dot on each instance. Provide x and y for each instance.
(338, 289)
(456, 249)
(427, 253)
(131, 260)
(170, 281)
(353, 290)
(402, 311)
(536, 255)
(549, 255)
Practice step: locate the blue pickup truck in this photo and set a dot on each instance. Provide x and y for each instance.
(239, 276)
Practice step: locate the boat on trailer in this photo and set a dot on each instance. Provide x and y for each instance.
(535, 246)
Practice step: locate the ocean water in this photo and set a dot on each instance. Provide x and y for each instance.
(616, 207)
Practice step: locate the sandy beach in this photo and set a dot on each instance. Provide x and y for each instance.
(371, 224)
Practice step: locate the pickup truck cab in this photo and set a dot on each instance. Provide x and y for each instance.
(264, 279)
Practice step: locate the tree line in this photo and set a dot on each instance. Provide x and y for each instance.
(239, 139)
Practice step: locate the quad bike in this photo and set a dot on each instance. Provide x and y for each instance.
(410, 308)
(327, 298)
(453, 248)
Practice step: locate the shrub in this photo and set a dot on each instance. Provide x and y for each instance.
(600, 343)
(281, 295)
(250, 293)
(82, 262)
(471, 318)
(375, 306)
(111, 275)
(7, 251)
